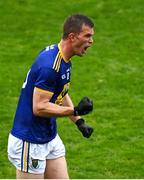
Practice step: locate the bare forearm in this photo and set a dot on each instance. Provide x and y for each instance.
(68, 102)
(49, 109)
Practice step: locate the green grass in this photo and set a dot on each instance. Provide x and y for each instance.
(111, 73)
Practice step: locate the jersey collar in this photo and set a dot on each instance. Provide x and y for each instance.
(60, 49)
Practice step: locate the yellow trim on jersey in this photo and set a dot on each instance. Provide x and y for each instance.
(56, 59)
(62, 54)
(62, 94)
(42, 90)
(57, 62)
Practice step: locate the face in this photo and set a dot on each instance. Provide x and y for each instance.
(83, 40)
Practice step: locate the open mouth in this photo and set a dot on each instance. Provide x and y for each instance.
(86, 47)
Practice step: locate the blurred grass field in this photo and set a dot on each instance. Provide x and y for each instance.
(111, 73)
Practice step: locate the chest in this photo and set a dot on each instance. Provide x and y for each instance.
(63, 78)
(62, 84)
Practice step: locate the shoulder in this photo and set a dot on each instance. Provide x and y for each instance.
(47, 56)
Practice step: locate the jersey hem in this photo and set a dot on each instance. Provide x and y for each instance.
(30, 140)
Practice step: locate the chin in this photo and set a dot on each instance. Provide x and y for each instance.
(79, 54)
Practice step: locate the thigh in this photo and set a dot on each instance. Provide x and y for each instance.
(56, 169)
(23, 175)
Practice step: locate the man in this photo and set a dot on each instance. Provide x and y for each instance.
(34, 147)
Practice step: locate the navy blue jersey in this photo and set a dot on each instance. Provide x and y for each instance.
(51, 73)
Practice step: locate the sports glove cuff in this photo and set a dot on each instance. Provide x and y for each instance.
(76, 111)
(79, 122)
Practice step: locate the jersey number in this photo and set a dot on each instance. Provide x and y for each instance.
(49, 47)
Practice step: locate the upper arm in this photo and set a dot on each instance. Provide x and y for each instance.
(40, 97)
(44, 87)
(46, 79)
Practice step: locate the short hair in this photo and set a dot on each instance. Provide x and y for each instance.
(74, 24)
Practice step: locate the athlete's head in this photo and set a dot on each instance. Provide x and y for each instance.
(79, 30)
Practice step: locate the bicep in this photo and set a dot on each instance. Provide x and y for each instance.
(44, 108)
(40, 97)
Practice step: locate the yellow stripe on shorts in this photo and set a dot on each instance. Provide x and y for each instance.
(25, 156)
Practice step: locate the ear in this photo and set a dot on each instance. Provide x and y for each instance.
(72, 36)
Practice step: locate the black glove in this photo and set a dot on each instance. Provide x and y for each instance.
(84, 107)
(85, 129)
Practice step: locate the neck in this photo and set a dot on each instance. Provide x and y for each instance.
(66, 49)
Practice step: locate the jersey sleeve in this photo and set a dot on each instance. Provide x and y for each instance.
(46, 79)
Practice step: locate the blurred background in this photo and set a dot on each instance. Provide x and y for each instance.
(111, 73)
